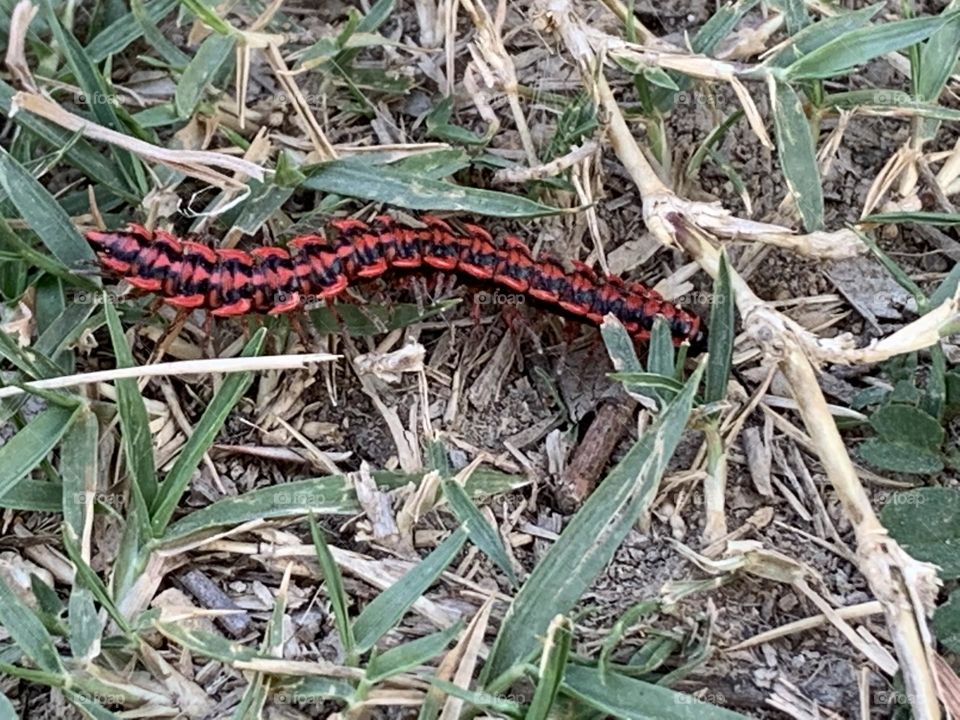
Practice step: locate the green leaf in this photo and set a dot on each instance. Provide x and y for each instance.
(332, 495)
(36, 495)
(334, 583)
(638, 381)
(401, 189)
(100, 98)
(210, 17)
(481, 533)
(844, 53)
(78, 151)
(620, 347)
(926, 522)
(938, 56)
(720, 25)
(624, 697)
(134, 424)
(85, 627)
(916, 216)
(28, 448)
(205, 432)
(798, 155)
(120, 33)
(409, 655)
(208, 644)
(590, 539)
(28, 632)
(722, 335)
(86, 577)
(386, 610)
(555, 655)
(43, 214)
(78, 467)
(820, 33)
(660, 350)
(151, 33)
(907, 424)
(946, 623)
(900, 457)
(210, 57)
(313, 689)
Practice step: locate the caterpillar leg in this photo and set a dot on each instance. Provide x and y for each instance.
(170, 335)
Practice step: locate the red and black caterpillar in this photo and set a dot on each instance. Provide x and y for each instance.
(275, 280)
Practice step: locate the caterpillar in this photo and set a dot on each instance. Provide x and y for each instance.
(275, 280)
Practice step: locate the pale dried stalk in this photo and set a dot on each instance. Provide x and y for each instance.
(180, 367)
(550, 169)
(496, 66)
(904, 586)
(196, 163)
(16, 58)
(850, 612)
(324, 150)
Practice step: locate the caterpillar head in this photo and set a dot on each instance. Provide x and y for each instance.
(119, 249)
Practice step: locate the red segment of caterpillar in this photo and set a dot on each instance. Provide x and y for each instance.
(275, 280)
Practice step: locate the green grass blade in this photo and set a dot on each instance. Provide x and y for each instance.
(946, 288)
(620, 347)
(845, 52)
(205, 432)
(100, 98)
(134, 423)
(151, 33)
(588, 543)
(409, 655)
(660, 354)
(386, 610)
(28, 632)
(334, 584)
(553, 663)
(720, 25)
(36, 495)
(120, 33)
(209, 15)
(401, 189)
(86, 577)
(640, 381)
(254, 698)
(481, 532)
(210, 57)
(79, 152)
(331, 495)
(938, 56)
(722, 334)
(31, 445)
(798, 155)
(85, 627)
(918, 216)
(822, 32)
(78, 467)
(43, 214)
(624, 697)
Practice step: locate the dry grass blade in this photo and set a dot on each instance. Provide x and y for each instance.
(180, 367)
(196, 163)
